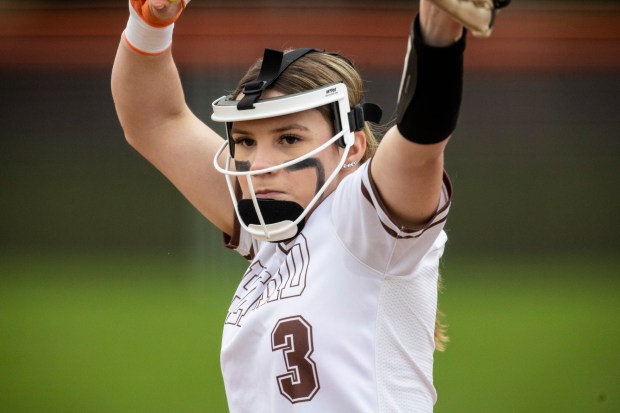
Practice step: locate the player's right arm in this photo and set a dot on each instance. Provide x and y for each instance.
(157, 122)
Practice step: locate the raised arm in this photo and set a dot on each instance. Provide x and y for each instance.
(408, 165)
(157, 122)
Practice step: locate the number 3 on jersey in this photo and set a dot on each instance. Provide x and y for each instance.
(293, 335)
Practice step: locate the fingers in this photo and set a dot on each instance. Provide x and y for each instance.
(165, 5)
(159, 13)
(150, 25)
(438, 27)
(163, 12)
(476, 15)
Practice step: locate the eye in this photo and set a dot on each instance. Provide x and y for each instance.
(289, 139)
(245, 142)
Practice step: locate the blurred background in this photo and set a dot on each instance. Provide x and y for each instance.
(113, 289)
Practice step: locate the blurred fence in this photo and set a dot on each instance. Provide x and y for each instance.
(534, 161)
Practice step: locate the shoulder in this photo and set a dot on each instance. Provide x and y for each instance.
(368, 231)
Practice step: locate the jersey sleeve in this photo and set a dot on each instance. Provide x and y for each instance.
(367, 230)
(241, 241)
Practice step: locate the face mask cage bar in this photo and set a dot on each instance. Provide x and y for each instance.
(225, 110)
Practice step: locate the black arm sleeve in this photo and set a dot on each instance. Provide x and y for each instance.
(431, 89)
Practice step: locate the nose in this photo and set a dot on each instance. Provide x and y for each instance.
(263, 157)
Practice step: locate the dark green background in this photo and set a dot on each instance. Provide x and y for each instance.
(534, 164)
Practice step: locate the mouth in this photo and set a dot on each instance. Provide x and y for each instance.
(268, 194)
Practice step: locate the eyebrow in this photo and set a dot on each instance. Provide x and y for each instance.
(292, 126)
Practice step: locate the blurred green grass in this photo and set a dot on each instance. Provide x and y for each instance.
(531, 334)
(122, 333)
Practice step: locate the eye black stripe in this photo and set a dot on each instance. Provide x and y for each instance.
(311, 163)
(242, 166)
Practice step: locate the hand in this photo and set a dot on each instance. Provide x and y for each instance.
(165, 9)
(477, 15)
(159, 13)
(438, 27)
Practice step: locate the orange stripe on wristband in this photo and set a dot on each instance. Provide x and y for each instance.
(142, 52)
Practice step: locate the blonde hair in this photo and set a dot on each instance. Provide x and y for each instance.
(315, 70)
(312, 71)
(440, 336)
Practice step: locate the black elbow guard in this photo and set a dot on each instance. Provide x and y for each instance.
(431, 89)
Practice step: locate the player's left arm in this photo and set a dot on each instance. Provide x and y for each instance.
(409, 163)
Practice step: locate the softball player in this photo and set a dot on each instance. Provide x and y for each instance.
(337, 309)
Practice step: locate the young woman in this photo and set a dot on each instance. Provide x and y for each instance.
(337, 310)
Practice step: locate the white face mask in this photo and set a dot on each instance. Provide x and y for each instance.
(271, 220)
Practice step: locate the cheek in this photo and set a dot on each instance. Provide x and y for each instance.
(315, 173)
(302, 184)
(242, 183)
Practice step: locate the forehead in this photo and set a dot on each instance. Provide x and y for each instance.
(311, 120)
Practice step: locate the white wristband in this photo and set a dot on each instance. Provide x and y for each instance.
(145, 38)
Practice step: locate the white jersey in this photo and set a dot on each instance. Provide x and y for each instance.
(341, 318)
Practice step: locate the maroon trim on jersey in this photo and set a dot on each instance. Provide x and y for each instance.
(406, 229)
(232, 241)
(282, 247)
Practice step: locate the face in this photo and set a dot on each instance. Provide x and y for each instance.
(265, 143)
